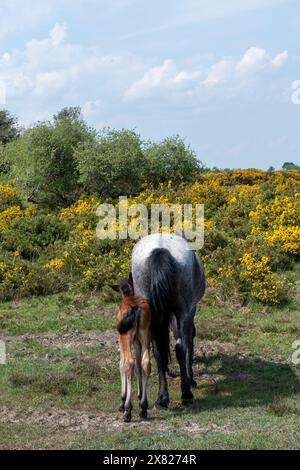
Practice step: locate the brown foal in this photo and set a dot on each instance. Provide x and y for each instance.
(134, 327)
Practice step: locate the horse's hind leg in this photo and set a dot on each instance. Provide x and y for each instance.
(163, 394)
(183, 354)
(191, 358)
(192, 335)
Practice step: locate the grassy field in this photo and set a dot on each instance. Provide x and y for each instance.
(60, 387)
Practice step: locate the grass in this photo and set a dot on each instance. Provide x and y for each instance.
(57, 314)
(59, 390)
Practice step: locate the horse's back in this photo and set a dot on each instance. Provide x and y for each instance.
(177, 246)
(191, 273)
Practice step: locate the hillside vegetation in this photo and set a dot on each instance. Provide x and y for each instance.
(60, 387)
(252, 238)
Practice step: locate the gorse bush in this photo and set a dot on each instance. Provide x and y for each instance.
(20, 278)
(252, 238)
(8, 196)
(31, 235)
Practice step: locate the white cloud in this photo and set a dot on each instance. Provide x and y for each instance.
(219, 72)
(254, 58)
(46, 66)
(49, 82)
(280, 59)
(51, 72)
(166, 75)
(226, 71)
(58, 34)
(91, 108)
(154, 78)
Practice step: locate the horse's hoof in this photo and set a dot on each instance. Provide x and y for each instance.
(187, 401)
(143, 414)
(187, 397)
(121, 408)
(162, 405)
(127, 418)
(194, 384)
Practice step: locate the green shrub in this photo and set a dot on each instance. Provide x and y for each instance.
(30, 236)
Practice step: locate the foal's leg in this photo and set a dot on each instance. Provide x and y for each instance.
(127, 369)
(123, 376)
(146, 370)
(163, 394)
(183, 348)
(123, 386)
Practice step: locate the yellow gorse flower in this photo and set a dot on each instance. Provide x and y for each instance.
(55, 264)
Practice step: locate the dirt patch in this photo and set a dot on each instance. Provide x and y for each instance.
(69, 340)
(195, 428)
(58, 420)
(75, 421)
(206, 348)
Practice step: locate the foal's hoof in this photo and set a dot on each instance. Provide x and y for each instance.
(143, 414)
(162, 405)
(122, 408)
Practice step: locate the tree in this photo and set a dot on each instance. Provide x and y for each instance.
(171, 159)
(71, 114)
(42, 159)
(288, 166)
(9, 128)
(113, 165)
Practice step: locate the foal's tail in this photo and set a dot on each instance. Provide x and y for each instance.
(131, 319)
(163, 291)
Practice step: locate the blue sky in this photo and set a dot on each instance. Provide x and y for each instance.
(217, 72)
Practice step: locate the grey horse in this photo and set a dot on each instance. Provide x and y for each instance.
(171, 277)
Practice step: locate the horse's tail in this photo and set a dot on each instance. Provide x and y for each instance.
(130, 320)
(163, 282)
